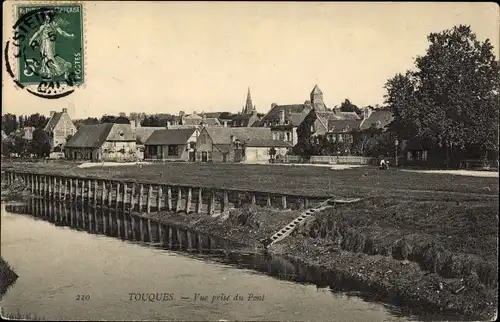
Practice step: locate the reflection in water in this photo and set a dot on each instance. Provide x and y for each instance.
(184, 241)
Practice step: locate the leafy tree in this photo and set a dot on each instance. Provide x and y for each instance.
(347, 106)
(9, 123)
(114, 119)
(37, 121)
(452, 99)
(87, 121)
(40, 145)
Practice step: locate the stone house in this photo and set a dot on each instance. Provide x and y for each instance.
(59, 127)
(231, 144)
(103, 142)
(376, 118)
(284, 120)
(172, 144)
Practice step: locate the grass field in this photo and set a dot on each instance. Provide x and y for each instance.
(310, 181)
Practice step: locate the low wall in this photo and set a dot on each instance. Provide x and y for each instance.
(326, 159)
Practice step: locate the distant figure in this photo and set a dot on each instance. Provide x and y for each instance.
(384, 165)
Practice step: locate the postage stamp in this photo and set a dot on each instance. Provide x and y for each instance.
(46, 52)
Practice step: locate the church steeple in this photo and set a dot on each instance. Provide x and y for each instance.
(248, 109)
(317, 99)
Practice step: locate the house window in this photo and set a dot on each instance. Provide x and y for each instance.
(173, 150)
(424, 156)
(288, 136)
(275, 136)
(312, 128)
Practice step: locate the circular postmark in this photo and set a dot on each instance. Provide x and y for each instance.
(44, 54)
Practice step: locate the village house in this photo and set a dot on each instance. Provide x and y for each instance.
(376, 118)
(102, 142)
(284, 120)
(172, 144)
(195, 119)
(59, 127)
(237, 144)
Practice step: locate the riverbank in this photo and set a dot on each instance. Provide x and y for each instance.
(7, 276)
(426, 254)
(417, 254)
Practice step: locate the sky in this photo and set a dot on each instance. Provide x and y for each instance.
(166, 57)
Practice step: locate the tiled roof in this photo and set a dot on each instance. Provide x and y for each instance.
(121, 133)
(51, 124)
(274, 113)
(222, 135)
(268, 143)
(341, 125)
(379, 118)
(209, 121)
(349, 116)
(90, 136)
(170, 137)
(143, 133)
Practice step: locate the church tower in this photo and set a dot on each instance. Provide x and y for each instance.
(249, 107)
(317, 99)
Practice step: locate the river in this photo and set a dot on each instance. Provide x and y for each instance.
(58, 264)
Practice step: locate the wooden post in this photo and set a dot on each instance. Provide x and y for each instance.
(49, 188)
(211, 203)
(104, 222)
(179, 200)
(150, 195)
(141, 192)
(132, 224)
(199, 204)
(76, 189)
(269, 200)
(117, 195)
(110, 195)
(188, 200)
(125, 225)
(306, 202)
(169, 198)
(158, 199)
(225, 202)
(118, 221)
(94, 193)
(103, 195)
(283, 202)
(141, 228)
(70, 196)
(62, 186)
(132, 198)
(150, 232)
(160, 233)
(253, 200)
(170, 236)
(124, 197)
(89, 191)
(189, 240)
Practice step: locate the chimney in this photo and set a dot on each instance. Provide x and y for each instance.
(52, 113)
(181, 117)
(282, 117)
(65, 110)
(225, 123)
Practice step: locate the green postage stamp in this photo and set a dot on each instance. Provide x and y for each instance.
(47, 48)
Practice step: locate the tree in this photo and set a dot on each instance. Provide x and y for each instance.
(347, 106)
(452, 98)
(114, 119)
(40, 145)
(37, 121)
(9, 123)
